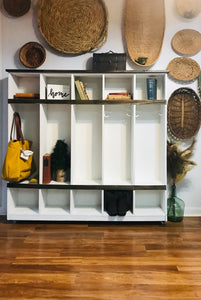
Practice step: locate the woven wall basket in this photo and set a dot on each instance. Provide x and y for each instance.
(186, 42)
(183, 68)
(17, 8)
(144, 30)
(188, 8)
(73, 26)
(32, 55)
(184, 113)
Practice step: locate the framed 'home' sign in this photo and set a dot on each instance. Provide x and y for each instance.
(56, 91)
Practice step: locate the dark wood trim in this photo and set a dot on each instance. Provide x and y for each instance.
(85, 102)
(85, 187)
(42, 71)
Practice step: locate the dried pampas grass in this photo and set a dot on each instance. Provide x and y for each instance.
(178, 161)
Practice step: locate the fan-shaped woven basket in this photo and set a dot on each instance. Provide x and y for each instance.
(73, 26)
(144, 30)
(184, 113)
(183, 68)
(187, 42)
(17, 8)
(32, 55)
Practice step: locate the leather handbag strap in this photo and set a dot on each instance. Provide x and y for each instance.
(17, 122)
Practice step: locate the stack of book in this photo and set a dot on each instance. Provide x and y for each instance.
(26, 95)
(119, 96)
(81, 90)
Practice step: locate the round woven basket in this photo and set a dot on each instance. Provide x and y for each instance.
(16, 8)
(32, 55)
(187, 42)
(73, 26)
(183, 68)
(144, 30)
(184, 113)
(188, 8)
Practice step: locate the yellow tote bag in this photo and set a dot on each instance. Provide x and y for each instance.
(18, 159)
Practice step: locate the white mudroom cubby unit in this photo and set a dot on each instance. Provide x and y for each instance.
(115, 145)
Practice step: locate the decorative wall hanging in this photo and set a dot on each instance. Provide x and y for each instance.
(73, 26)
(17, 8)
(183, 68)
(187, 42)
(184, 113)
(188, 8)
(144, 30)
(32, 55)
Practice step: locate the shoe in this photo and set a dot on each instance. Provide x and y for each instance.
(111, 204)
(123, 204)
(122, 207)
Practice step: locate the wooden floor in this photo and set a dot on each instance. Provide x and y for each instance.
(101, 261)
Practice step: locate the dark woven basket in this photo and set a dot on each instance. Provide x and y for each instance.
(184, 113)
(109, 61)
(32, 55)
(17, 8)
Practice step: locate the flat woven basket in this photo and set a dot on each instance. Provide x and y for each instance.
(184, 113)
(73, 26)
(187, 42)
(144, 30)
(188, 8)
(183, 68)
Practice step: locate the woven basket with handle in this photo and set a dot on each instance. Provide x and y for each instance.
(73, 26)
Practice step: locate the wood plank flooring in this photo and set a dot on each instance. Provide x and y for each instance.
(99, 261)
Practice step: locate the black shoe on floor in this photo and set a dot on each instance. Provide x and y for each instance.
(122, 205)
(111, 204)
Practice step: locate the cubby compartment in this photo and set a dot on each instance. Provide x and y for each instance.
(150, 203)
(55, 121)
(118, 83)
(54, 80)
(54, 202)
(29, 114)
(117, 144)
(141, 86)
(150, 145)
(86, 139)
(23, 83)
(93, 86)
(22, 203)
(86, 202)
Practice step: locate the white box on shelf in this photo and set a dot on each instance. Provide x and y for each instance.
(58, 92)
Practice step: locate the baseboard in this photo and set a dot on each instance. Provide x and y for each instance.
(192, 211)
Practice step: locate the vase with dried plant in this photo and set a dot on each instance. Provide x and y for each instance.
(60, 162)
(178, 164)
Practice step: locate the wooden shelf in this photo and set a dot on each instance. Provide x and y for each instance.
(84, 186)
(84, 102)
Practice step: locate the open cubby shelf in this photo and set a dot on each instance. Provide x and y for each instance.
(114, 144)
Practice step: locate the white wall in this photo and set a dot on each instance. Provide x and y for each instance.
(18, 31)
